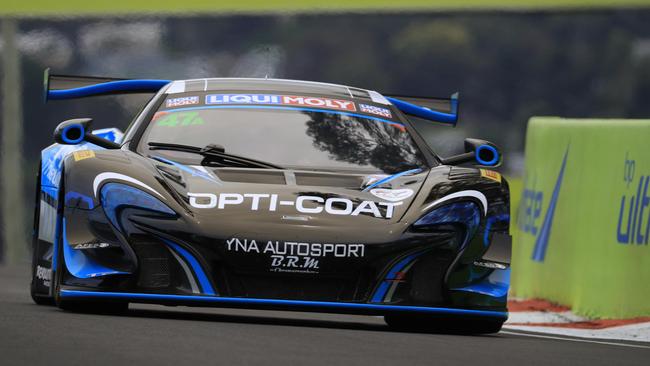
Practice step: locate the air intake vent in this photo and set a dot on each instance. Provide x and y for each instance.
(461, 173)
(153, 261)
(250, 176)
(329, 180)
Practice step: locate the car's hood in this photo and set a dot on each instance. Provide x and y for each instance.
(228, 202)
(291, 197)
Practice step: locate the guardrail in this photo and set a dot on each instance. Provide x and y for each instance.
(582, 229)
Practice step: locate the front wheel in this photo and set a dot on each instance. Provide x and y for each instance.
(430, 324)
(38, 299)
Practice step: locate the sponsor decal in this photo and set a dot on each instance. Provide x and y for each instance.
(44, 274)
(491, 174)
(303, 101)
(371, 109)
(303, 204)
(91, 246)
(393, 195)
(634, 214)
(320, 102)
(243, 99)
(83, 154)
(178, 102)
(288, 256)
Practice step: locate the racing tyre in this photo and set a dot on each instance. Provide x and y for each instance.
(429, 324)
(39, 300)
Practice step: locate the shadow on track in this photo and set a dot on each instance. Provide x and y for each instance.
(253, 319)
(281, 321)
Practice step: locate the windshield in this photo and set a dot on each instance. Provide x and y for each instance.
(326, 134)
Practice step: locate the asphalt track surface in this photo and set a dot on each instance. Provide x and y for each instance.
(156, 335)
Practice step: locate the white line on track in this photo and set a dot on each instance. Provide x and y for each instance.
(574, 339)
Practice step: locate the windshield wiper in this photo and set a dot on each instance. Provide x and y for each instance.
(214, 152)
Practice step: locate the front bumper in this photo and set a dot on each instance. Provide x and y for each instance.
(426, 269)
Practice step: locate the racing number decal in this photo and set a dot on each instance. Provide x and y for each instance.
(180, 119)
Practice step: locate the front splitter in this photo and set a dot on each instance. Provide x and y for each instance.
(275, 304)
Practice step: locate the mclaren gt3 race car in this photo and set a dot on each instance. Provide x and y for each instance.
(271, 194)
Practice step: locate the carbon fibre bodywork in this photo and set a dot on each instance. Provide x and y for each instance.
(122, 224)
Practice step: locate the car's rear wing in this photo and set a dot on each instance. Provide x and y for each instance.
(58, 87)
(444, 110)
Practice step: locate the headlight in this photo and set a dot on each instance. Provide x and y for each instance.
(117, 196)
(464, 213)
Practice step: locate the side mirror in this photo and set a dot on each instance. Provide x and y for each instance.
(75, 131)
(480, 152)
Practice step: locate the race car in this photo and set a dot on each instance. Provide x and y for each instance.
(271, 194)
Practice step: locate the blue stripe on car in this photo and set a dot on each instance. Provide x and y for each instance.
(390, 178)
(196, 267)
(383, 288)
(490, 221)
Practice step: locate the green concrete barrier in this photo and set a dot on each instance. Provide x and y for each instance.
(582, 227)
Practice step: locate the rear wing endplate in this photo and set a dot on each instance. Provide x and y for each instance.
(58, 87)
